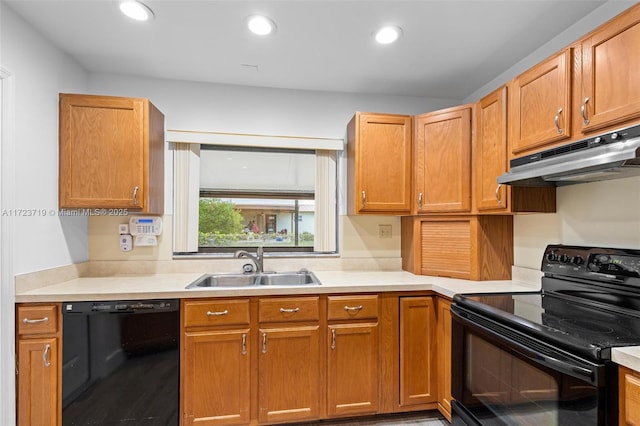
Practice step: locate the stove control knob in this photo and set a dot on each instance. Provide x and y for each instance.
(552, 257)
(564, 258)
(597, 140)
(615, 136)
(577, 260)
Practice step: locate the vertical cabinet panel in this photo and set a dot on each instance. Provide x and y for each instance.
(289, 374)
(417, 351)
(217, 386)
(444, 356)
(443, 161)
(352, 365)
(610, 74)
(379, 152)
(38, 386)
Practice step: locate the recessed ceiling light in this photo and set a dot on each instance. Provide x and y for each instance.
(387, 35)
(261, 25)
(136, 10)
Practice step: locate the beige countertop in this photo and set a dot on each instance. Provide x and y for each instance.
(164, 286)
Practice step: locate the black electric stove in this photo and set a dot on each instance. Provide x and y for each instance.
(589, 303)
(545, 357)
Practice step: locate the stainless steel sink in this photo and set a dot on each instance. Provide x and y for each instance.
(295, 278)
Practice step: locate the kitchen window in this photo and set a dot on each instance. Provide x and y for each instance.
(230, 197)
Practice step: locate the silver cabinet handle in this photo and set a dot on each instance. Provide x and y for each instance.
(264, 343)
(419, 200)
(583, 111)
(352, 308)
(289, 311)
(135, 196)
(217, 313)
(557, 120)
(333, 339)
(45, 356)
(35, 321)
(498, 199)
(244, 343)
(364, 199)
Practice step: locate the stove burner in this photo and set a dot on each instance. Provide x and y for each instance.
(575, 324)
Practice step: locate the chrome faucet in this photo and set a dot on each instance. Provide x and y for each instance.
(257, 259)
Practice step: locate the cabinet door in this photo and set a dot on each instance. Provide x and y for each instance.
(629, 397)
(443, 161)
(491, 151)
(289, 374)
(38, 387)
(540, 104)
(418, 383)
(216, 383)
(381, 162)
(611, 73)
(352, 369)
(444, 357)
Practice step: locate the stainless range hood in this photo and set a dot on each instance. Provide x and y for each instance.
(607, 156)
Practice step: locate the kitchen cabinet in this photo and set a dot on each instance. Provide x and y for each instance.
(629, 397)
(352, 355)
(443, 338)
(379, 164)
(418, 369)
(610, 75)
(491, 160)
(443, 161)
(468, 247)
(289, 376)
(216, 362)
(39, 352)
(540, 105)
(111, 153)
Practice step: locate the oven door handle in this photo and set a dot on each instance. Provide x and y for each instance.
(546, 359)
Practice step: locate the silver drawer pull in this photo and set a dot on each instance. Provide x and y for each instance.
(217, 314)
(35, 321)
(583, 111)
(498, 199)
(45, 356)
(264, 343)
(333, 339)
(289, 311)
(244, 343)
(557, 121)
(352, 308)
(135, 196)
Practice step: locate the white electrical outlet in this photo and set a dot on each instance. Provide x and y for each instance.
(384, 231)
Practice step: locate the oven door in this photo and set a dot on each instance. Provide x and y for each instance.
(501, 376)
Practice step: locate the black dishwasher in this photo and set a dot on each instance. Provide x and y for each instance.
(121, 362)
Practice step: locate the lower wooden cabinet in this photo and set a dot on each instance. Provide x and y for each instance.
(417, 351)
(353, 355)
(629, 382)
(38, 365)
(289, 374)
(443, 325)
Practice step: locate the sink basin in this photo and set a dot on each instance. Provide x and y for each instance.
(296, 278)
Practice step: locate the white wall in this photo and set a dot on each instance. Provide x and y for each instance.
(40, 72)
(602, 213)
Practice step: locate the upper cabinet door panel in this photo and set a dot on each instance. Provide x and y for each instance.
(443, 161)
(611, 73)
(379, 164)
(540, 106)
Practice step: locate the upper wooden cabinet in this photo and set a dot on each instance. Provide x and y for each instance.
(379, 149)
(540, 104)
(491, 160)
(610, 80)
(443, 161)
(111, 153)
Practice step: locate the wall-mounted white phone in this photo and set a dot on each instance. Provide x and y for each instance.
(145, 229)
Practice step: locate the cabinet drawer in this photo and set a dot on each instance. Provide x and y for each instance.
(37, 319)
(352, 307)
(218, 312)
(289, 309)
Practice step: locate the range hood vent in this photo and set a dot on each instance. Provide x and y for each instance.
(612, 155)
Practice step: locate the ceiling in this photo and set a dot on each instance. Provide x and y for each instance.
(449, 48)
